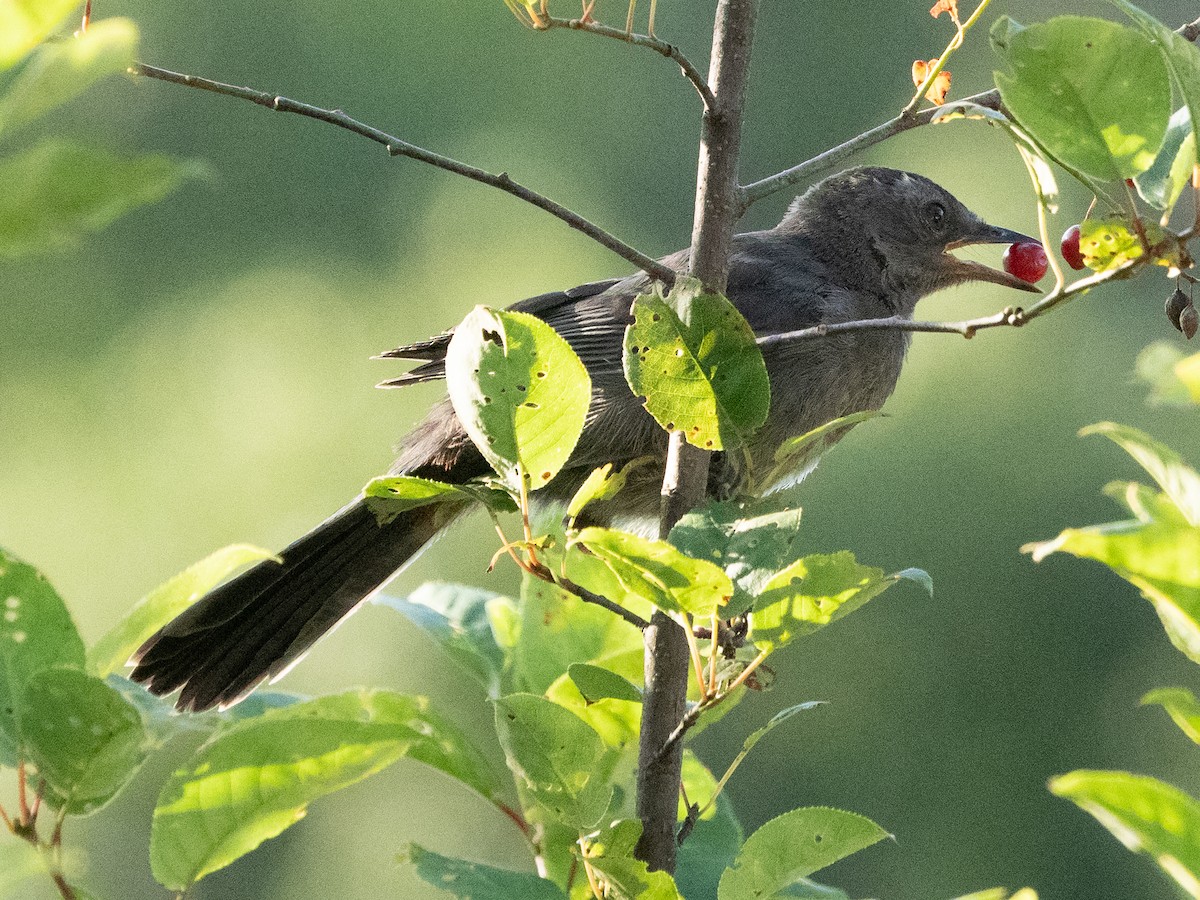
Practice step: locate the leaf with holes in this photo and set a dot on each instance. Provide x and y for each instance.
(694, 359)
(794, 846)
(1111, 243)
(85, 739)
(389, 496)
(36, 632)
(1094, 94)
(520, 392)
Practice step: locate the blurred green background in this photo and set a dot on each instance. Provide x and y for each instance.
(198, 374)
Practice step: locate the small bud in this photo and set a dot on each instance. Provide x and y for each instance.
(1176, 304)
(1189, 321)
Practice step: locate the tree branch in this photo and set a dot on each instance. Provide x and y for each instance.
(664, 701)
(670, 51)
(397, 147)
(599, 600)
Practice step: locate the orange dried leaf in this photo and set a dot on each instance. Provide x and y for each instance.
(945, 6)
(937, 91)
(920, 69)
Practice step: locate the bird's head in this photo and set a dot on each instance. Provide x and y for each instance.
(898, 229)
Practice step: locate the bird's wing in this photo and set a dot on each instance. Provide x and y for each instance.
(431, 353)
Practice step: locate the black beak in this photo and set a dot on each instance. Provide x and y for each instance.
(974, 271)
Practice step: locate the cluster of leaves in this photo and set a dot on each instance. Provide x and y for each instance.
(56, 190)
(1157, 551)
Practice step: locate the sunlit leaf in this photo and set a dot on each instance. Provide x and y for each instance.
(1111, 243)
(604, 484)
(559, 758)
(657, 572)
(165, 602)
(694, 359)
(56, 192)
(1181, 705)
(1146, 504)
(520, 392)
(1164, 465)
(476, 881)
(1162, 183)
(60, 71)
(794, 846)
(597, 683)
(1145, 814)
(816, 591)
(36, 632)
(1096, 95)
(610, 853)
(796, 456)
(84, 738)
(26, 23)
(391, 495)
(256, 778)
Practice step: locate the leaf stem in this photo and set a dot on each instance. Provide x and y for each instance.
(955, 43)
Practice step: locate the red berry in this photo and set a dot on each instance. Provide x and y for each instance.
(1026, 261)
(1070, 248)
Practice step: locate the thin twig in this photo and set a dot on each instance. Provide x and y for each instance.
(589, 597)
(670, 51)
(397, 147)
(940, 64)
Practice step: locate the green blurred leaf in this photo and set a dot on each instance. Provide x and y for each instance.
(59, 72)
(391, 495)
(694, 359)
(57, 192)
(36, 632)
(1163, 367)
(476, 881)
(1164, 465)
(256, 777)
(794, 846)
(610, 854)
(816, 591)
(26, 23)
(84, 738)
(520, 392)
(558, 757)
(1001, 894)
(603, 484)
(709, 850)
(456, 617)
(1181, 705)
(1146, 504)
(1162, 183)
(750, 539)
(1144, 814)
(597, 683)
(165, 602)
(1096, 95)
(796, 456)
(658, 573)
(18, 861)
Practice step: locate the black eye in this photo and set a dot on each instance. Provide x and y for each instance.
(935, 214)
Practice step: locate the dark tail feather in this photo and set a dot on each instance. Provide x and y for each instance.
(259, 624)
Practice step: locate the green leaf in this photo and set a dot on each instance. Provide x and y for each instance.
(1162, 183)
(1164, 465)
(1096, 95)
(610, 854)
(658, 573)
(618, 722)
(19, 860)
(391, 495)
(476, 881)
(520, 392)
(36, 632)
(456, 617)
(750, 539)
(56, 192)
(694, 359)
(816, 591)
(796, 456)
(1111, 243)
(1144, 814)
(256, 777)
(111, 653)
(26, 23)
(84, 738)
(1001, 894)
(59, 72)
(603, 484)
(1181, 705)
(597, 683)
(557, 756)
(1164, 367)
(710, 848)
(794, 846)
(1146, 504)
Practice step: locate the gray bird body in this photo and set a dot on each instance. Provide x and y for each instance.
(865, 244)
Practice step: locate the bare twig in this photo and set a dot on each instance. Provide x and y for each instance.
(670, 51)
(589, 597)
(397, 147)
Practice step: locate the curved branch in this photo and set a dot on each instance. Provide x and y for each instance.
(397, 147)
(670, 51)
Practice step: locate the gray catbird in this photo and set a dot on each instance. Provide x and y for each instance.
(867, 243)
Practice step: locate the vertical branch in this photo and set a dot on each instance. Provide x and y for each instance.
(718, 206)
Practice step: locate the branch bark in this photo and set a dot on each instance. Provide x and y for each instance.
(718, 206)
(397, 147)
